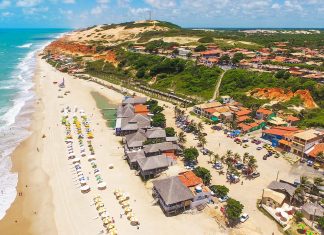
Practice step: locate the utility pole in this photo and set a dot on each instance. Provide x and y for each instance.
(277, 176)
(313, 217)
(150, 15)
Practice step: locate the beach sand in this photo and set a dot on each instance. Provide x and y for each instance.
(52, 202)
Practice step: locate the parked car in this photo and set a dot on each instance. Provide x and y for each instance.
(310, 163)
(204, 151)
(218, 166)
(255, 174)
(259, 148)
(223, 199)
(244, 217)
(245, 146)
(265, 157)
(239, 165)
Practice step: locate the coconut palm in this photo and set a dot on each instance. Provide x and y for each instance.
(245, 157)
(202, 140)
(216, 158)
(237, 157)
(210, 154)
(200, 127)
(252, 164)
(229, 153)
(223, 158)
(182, 138)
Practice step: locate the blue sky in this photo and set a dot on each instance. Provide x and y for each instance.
(187, 13)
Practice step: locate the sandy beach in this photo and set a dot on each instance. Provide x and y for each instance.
(52, 202)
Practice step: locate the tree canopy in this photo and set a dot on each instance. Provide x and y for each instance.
(204, 174)
(190, 154)
(233, 209)
(219, 190)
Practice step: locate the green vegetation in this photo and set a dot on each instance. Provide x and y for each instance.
(204, 174)
(180, 76)
(170, 132)
(233, 210)
(320, 222)
(237, 58)
(312, 118)
(298, 216)
(219, 190)
(153, 46)
(158, 119)
(206, 39)
(200, 48)
(190, 154)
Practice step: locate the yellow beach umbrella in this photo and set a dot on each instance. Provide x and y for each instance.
(113, 231)
(106, 221)
(111, 226)
(121, 199)
(125, 204)
(130, 215)
(127, 209)
(101, 210)
(99, 204)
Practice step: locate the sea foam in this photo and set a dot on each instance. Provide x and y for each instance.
(14, 122)
(27, 45)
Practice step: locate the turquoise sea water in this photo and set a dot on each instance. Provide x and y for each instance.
(18, 48)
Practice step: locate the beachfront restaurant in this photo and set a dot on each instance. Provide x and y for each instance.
(172, 195)
(149, 167)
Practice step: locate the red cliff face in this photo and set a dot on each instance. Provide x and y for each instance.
(69, 47)
(282, 95)
(62, 46)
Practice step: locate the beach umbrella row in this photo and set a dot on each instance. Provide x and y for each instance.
(123, 199)
(107, 221)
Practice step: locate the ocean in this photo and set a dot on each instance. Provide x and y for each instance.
(18, 48)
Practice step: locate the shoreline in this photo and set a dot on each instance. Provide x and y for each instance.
(25, 159)
(51, 190)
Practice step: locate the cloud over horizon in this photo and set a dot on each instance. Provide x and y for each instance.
(187, 13)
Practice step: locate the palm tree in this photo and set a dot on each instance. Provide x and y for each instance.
(246, 156)
(216, 158)
(252, 164)
(202, 140)
(210, 154)
(182, 138)
(237, 157)
(229, 153)
(200, 127)
(223, 158)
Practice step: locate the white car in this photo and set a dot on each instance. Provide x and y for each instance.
(244, 217)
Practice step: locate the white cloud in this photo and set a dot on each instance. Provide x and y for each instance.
(276, 6)
(4, 4)
(69, 1)
(161, 3)
(28, 3)
(293, 6)
(103, 1)
(6, 14)
(138, 11)
(34, 10)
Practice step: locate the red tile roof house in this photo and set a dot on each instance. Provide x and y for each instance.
(315, 151)
(263, 114)
(276, 134)
(202, 194)
(292, 120)
(211, 53)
